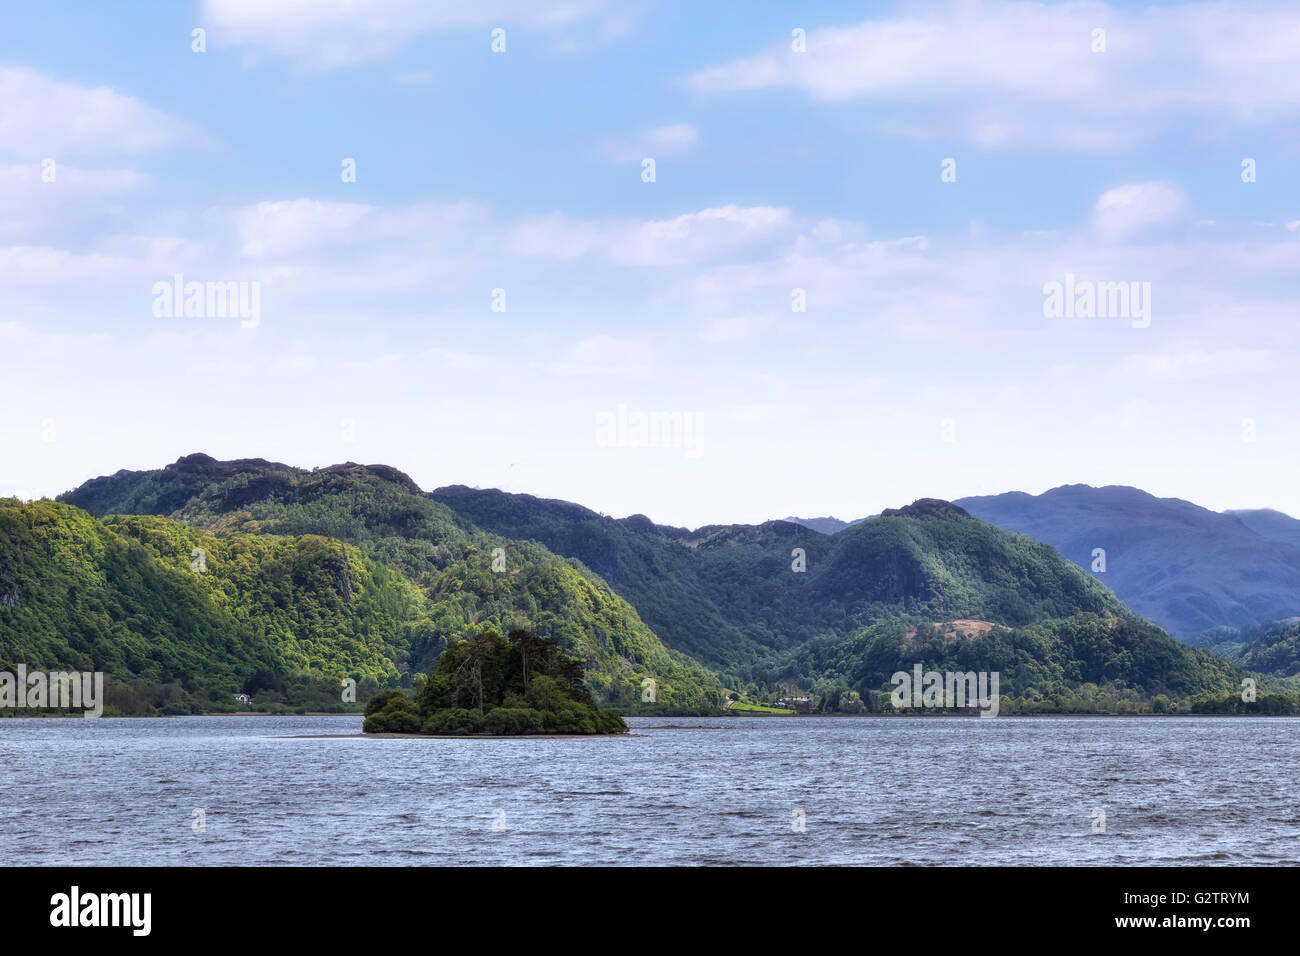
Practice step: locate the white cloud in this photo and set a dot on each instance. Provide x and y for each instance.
(1126, 210)
(718, 275)
(42, 117)
(288, 228)
(279, 228)
(37, 210)
(620, 316)
(1197, 362)
(17, 178)
(456, 360)
(601, 355)
(997, 71)
(333, 33)
(730, 329)
(689, 238)
(663, 141)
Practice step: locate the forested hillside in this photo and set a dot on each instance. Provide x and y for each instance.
(202, 579)
(1061, 638)
(437, 580)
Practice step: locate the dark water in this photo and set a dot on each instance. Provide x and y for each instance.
(953, 791)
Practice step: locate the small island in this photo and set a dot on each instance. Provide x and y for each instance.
(495, 686)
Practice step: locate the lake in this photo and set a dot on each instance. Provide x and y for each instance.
(685, 791)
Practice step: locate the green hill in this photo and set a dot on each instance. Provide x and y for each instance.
(1085, 663)
(351, 571)
(841, 623)
(1272, 649)
(440, 570)
(123, 596)
(729, 594)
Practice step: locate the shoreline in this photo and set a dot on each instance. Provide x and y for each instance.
(456, 736)
(721, 716)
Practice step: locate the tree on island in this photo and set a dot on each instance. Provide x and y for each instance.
(493, 685)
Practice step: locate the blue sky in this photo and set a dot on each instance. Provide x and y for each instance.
(924, 363)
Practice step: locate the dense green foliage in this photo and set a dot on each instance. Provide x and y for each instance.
(1276, 651)
(1085, 663)
(839, 629)
(350, 572)
(490, 685)
(270, 616)
(1271, 649)
(1266, 704)
(741, 605)
(444, 564)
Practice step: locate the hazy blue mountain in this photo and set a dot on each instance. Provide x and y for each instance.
(1185, 567)
(826, 525)
(1270, 524)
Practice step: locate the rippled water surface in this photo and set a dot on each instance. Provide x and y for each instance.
(955, 791)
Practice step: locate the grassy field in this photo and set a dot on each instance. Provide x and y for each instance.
(756, 709)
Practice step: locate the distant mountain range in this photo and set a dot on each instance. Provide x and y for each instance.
(1188, 569)
(353, 570)
(824, 525)
(1271, 524)
(863, 600)
(727, 594)
(1184, 567)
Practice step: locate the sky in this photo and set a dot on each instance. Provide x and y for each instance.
(830, 292)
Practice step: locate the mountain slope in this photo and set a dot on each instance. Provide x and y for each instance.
(1271, 650)
(929, 557)
(1270, 524)
(1084, 663)
(844, 621)
(472, 580)
(1182, 566)
(127, 596)
(1276, 652)
(652, 566)
(933, 557)
(769, 606)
